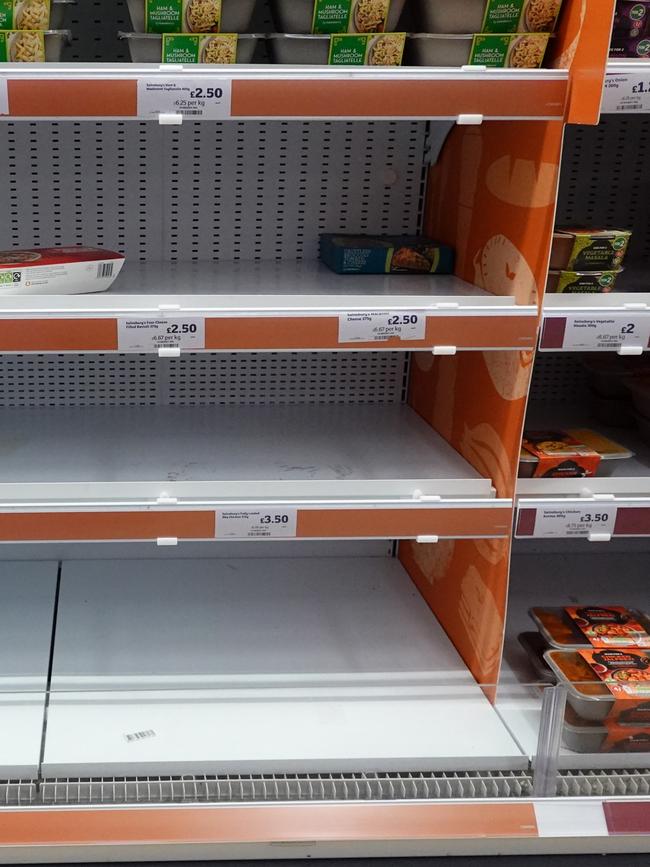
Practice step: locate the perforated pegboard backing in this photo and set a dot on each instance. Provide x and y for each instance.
(220, 379)
(605, 180)
(249, 190)
(559, 377)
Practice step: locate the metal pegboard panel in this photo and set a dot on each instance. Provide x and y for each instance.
(559, 377)
(223, 379)
(605, 181)
(234, 190)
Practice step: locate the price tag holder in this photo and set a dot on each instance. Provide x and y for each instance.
(374, 327)
(597, 333)
(4, 96)
(149, 334)
(570, 521)
(256, 523)
(626, 92)
(193, 98)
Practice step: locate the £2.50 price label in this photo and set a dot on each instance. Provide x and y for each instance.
(374, 326)
(597, 333)
(149, 334)
(191, 97)
(626, 92)
(552, 522)
(256, 523)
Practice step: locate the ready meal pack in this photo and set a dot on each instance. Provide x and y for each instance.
(58, 270)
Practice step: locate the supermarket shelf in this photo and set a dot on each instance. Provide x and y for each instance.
(106, 90)
(27, 593)
(218, 453)
(554, 579)
(327, 684)
(611, 311)
(266, 305)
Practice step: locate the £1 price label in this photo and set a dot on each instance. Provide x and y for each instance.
(373, 326)
(552, 522)
(256, 523)
(626, 92)
(606, 332)
(149, 334)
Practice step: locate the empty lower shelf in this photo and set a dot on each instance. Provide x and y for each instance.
(216, 453)
(260, 666)
(26, 616)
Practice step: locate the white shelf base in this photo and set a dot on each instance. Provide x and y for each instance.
(228, 452)
(311, 664)
(27, 593)
(263, 288)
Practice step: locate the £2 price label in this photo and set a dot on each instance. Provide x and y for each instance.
(256, 523)
(149, 334)
(552, 522)
(597, 333)
(373, 326)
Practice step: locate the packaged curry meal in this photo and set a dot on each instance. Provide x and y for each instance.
(588, 626)
(385, 254)
(58, 270)
(569, 454)
(589, 249)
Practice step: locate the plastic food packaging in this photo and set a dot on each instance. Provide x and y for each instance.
(27, 46)
(589, 249)
(589, 695)
(147, 47)
(434, 49)
(535, 647)
(235, 16)
(58, 270)
(488, 16)
(572, 282)
(385, 254)
(608, 451)
(57, 12)
(612, 626)
(631, 30)
(297, 16)
(299, 49)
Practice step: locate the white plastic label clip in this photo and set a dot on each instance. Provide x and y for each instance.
(167, 541)
(169, 352)
(444, 350)
(427, 539)
(169, 119)
(469, 119)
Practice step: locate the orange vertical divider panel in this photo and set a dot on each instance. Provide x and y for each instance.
(492, 196)
(581, 45)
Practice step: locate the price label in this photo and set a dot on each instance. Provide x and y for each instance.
(193, 98)
(626, 92)
(256, 524)
(551, 522)
(596, 333)
(148, 334)
(373, 326)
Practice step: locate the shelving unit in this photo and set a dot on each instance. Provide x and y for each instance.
(343, 677)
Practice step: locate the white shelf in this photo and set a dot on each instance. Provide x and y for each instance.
(27, 592)
(302, 664)
(265, 288)
(221, 453)
(604, 578)
(559, 303)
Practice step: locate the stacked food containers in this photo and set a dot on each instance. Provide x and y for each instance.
(31, 30)
(586, 260)
(602, 656)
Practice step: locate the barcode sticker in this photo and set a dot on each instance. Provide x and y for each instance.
(145, 334)
(104, 269)
(256, 523)
(131, 737)
(372, 326)
(626, 92)
(203, 98)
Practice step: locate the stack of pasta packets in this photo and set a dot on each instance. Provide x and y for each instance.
(359, 31)
(23, 28)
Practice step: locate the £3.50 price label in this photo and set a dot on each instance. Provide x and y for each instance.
(192, 97)
(568, 521)
(149, 334)
(256, 523)
(375, 326)
(626, 92)
(606, 332)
